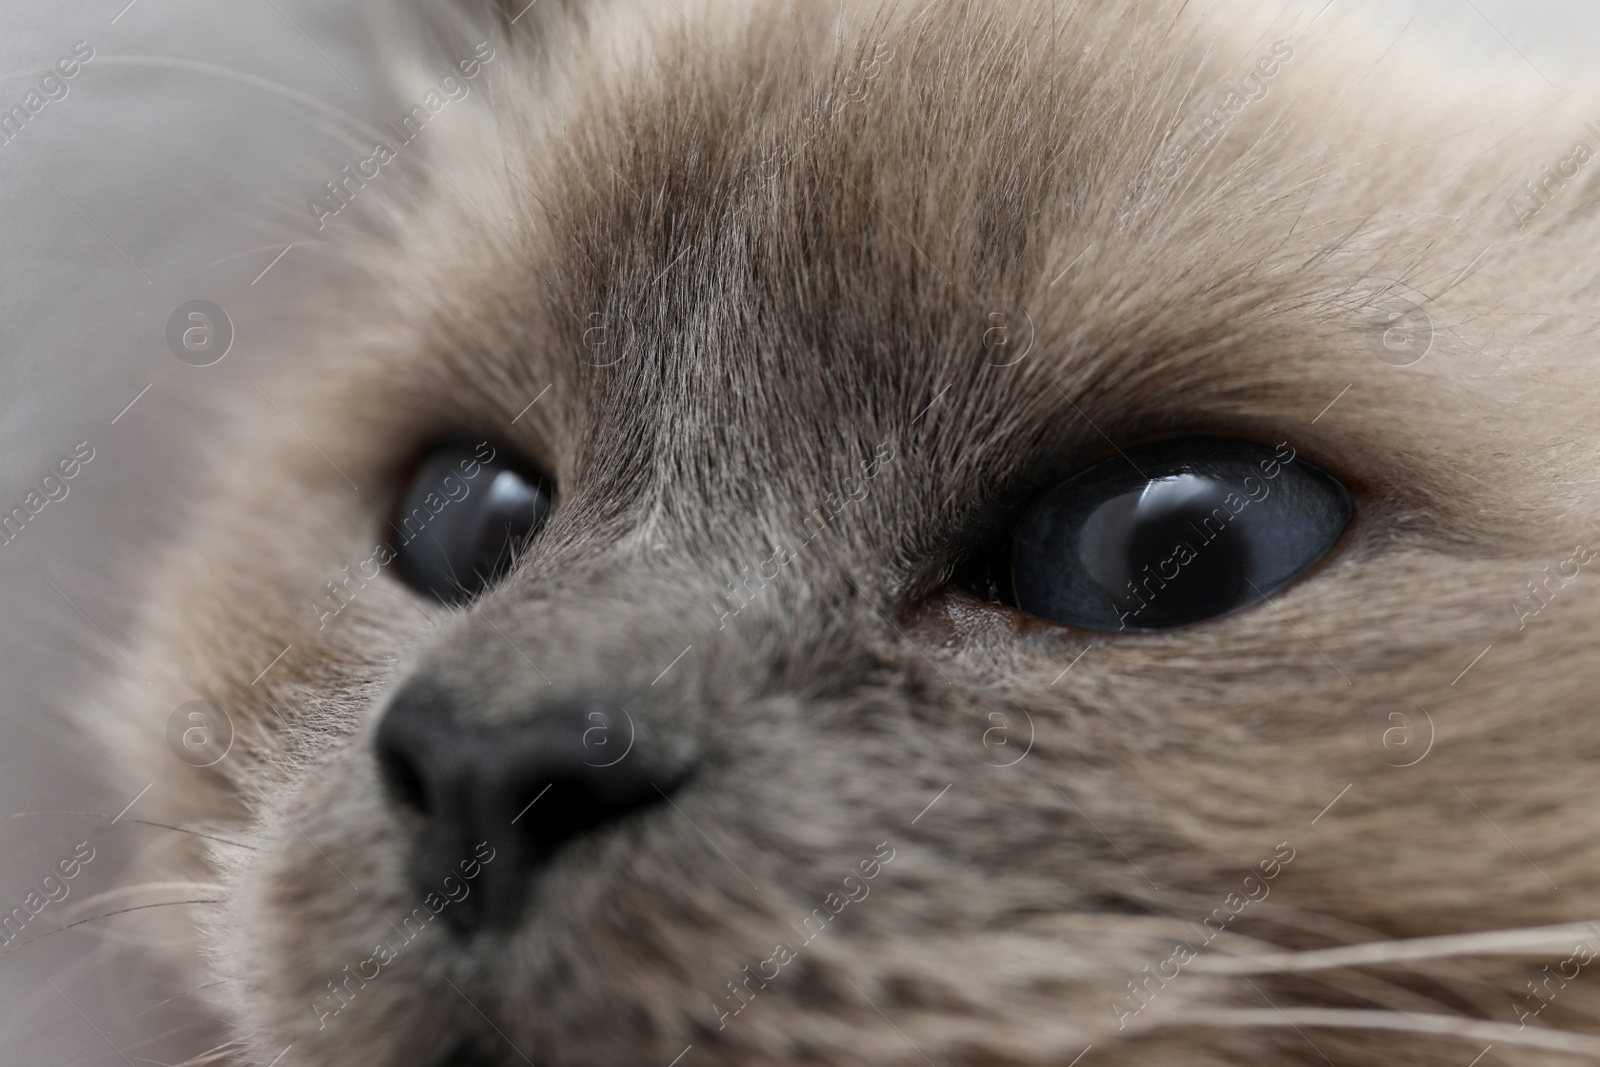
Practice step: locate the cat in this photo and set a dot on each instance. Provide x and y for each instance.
(738, 339)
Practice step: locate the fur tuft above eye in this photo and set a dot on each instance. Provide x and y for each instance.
(462, 519)
(1173, 533)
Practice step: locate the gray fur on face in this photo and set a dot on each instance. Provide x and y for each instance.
(741, 311)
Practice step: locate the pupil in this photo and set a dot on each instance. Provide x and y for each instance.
(462, 521)
(512, 507)
(1168, 553)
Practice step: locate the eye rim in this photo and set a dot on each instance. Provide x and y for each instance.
(984, 570)
(404, 479)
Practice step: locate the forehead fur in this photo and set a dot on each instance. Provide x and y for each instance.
(806, 225)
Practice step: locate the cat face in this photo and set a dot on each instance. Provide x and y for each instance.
(738, 343)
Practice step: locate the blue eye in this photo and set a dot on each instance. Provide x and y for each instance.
(462, 519)
(1174, 533)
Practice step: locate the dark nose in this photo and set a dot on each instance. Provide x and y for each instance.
(516, 793)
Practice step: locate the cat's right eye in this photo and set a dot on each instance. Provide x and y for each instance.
(463, 518)
(1173, 533)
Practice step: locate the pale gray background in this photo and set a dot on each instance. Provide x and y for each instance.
(199, 177)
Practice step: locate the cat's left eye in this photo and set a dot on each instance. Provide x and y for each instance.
(462, 519)
(1172, 533)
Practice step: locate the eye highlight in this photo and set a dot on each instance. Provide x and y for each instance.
(1174, 533)
(463, 518)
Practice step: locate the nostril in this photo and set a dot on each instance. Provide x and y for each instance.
(401, 778)
(467, 1054)
(569, 807)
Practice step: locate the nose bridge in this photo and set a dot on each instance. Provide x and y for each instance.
(627, 635)
(639, 625)
(743, 525)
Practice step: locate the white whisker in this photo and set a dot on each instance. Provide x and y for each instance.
(96, 918)
(1530, 941)
(147, 887)
(141, 822)
(227, 1052)
(180, 996)
(277, 89)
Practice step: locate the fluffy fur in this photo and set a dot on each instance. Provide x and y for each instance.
(736, 249)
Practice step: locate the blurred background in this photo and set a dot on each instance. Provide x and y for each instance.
(175, 166)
